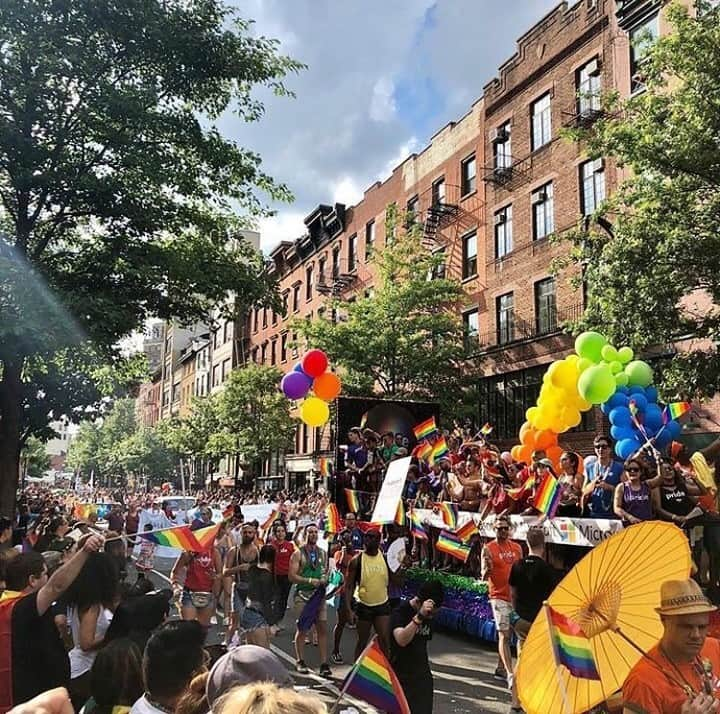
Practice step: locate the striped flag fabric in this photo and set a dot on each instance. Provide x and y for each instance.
(517, 493)
(373, 680)
(400, 514)
(417, 529)
(449, 512)
(353, 500)
(571, 646)
(422, 451)
(449, 543)
(675, 410)
(206, 536)
(267, 523)
(486, 429)
(425, 428)
(333, 522)
(547, 496)
(180, 537)
(324, 467)
(228, 512)
(439, 449)
(467, 530)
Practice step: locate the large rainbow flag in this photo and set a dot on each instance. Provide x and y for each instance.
(373, 680)
(439, 449)
(333, 522)
(571, 646)
(180, 537)
(547, 496)
(417, 529)
(206, 536)
(449, 512)
(452, 545)
(467, 531)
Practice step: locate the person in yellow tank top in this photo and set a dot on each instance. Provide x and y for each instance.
(366, 589)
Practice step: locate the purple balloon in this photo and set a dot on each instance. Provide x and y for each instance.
(295, 385)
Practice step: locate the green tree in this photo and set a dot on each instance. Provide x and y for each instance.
(255, 415)
(145, 454)
(35, 459)
(406, 341)
(118, 195)
(654, 277)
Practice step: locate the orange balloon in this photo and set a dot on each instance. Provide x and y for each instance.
(516, 452)
(554, 453)
(545, 439)
(526, 432)
(327, 386)
(526, 454)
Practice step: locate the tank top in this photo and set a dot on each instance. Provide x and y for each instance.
(81, 661)
(241, 577)
(637, 503)
(311, 566)
(674, 499)
(200, 573)
(372, 588)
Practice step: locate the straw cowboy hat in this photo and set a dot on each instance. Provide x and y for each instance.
(683, 597)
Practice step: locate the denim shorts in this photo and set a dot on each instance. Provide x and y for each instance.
(186, 600)
(251, 619)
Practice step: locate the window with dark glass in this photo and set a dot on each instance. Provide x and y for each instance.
(308, 282)
(438, 192)
(322, 265)
(545, 306)
(369, 238)
(540, 113)
(412, 212)
(352, 252)
(642, 38)
(296, 297)
(503, 232)
(285, 299)
(543, 211)
(438, 270)
(273, 352)
(264, 320)
(468, 175)
(469, 266)
(305, 438)
(336, 262)
(592, 185)
(263, 353)
(256, 318)
(588, 87)
(502, 146)
(283, 347)
(471, 327)
(505, 318)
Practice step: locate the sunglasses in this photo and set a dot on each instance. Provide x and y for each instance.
(602, 446)
(632, 469)
(502, 528)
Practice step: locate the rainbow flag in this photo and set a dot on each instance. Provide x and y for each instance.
(180, 537)
(228, 512)
(633, 407)
(422, 451)
(267, 523)
(439, 449)
(425, 428)
(81, 511)
(324, 467)
(417, 529)
(372, 679)
(449, 512)
(206, 536)
(467, 531)
(353, 500)
(547, 496)
(333, 522)
(571, 646)
(449, 543)
(675, 410)
(517, 493)
(400, 515)
(486, 429)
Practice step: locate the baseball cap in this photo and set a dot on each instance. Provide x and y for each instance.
(246, 664)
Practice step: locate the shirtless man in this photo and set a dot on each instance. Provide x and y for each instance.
(237, 563)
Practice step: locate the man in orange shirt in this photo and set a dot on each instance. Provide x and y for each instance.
(498, 557)
(681, 674)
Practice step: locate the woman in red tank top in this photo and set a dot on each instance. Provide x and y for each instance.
(203, 572)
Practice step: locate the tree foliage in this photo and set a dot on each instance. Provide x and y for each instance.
(657, 279)
(119, 197)
(406, 339)
(36, 460)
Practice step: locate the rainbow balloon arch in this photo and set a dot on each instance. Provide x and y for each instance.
(597, 374)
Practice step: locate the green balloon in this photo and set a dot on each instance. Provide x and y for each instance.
(625, 354)
(616, 367)
(597, 384)
(583, 363)
(621, 379)
(609, 354)
(589, 345)
(639, 373)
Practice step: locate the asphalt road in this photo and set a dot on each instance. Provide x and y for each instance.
(462, 667)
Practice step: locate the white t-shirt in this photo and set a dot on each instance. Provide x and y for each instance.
(81, 660)
(143, 706)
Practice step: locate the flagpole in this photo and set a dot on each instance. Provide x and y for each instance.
(558, 674)
(350, 676)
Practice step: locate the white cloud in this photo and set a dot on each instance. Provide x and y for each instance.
(287, 225)
(404, 150)
(347, 191)
(382, 103)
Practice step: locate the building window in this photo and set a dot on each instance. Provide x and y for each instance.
(503, 232)
(541, 121)
(283, 347)
(369, 238)
(390, 223)
(296, 297)
(225, 369)
(285, 298)
(502, 146)
(469, 266)
(273, 352)
(542, 211)
(471, 328)
(505, 318)
(352, 252)
(215, 375)
(412, 212)
(274, 317)
(264, 323)
(227, 331)
(642, 38)
(588, 88)
(256, 317)
(263, 353)
(255, 355)
(216, 338)
(305, 438)
(336, 262)
(545, 306)
(438, 192)
(438, 271)
(322, 264)
(468, 175)
(308, 282)
(592, 185)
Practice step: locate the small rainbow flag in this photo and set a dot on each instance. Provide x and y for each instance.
(425, 428)
(675, 410)
(633, 407)
(206, 536)
(324, 467)
(353, 500)
(547, 496)
(422, 451)
(449, 512)
(486, 429)
(417, 529)
(81, 511)
(180, 537)
(439, 449)
(373, 680)
(333, 522)
(517, 493)
(571, 646)
(267, 523)
(400, 515)
(452, 545)
(228, 512)
(467, 531)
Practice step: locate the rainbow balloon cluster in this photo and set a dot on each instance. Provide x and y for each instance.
(311, 374)
(601, 375)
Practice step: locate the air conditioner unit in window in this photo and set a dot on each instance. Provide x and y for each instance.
(499, 134)
(500, 218)
(539, 196)
(592, 68)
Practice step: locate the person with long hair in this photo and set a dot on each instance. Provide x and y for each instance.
(115, 678)
(259, 617)
(200, 586)
(633, 503)
(90, 601)
(268, 698)
(53, 533)
(571, 483)
(284, 549)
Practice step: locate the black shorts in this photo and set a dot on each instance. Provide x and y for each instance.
(368, 613)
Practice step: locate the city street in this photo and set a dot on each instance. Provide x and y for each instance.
(462, 667)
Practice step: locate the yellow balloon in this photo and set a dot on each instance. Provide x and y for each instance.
(565, 376)
(314, 411)
(532, 413)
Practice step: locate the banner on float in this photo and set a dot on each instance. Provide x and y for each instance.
(584, 532)
(391, 491)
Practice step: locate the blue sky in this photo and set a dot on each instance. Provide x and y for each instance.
(383, 76)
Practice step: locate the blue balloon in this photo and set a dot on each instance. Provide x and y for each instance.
(618, 433)
(653, 418)
(620, 416)
(298, 368)
(636, 389)
(624, 390)
(617, 400)
(626, 448)
(663, 439)
(641, 402)
(673, 429)
(651, 394)
(605, 408)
